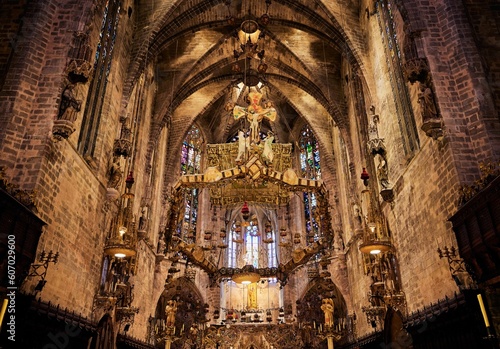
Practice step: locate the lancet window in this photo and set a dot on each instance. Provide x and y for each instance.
(310, 168)
(389, 32)
(190, 164)
(252, 244)
(97, 89)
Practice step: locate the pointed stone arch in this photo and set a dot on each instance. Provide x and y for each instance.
(191, 309)
(309, 304)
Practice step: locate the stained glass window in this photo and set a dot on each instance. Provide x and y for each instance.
(191, 151)
(97, 89)
(234, 236)
(252, 245)
(310, 168)
(190, 164)
(271, 254)
(404, 110)
(309, 154)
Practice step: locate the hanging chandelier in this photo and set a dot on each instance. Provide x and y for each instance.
(246, 276)
(123, 243)
(250, 35)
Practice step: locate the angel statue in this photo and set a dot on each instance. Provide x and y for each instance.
(170, 311)
(328, 308)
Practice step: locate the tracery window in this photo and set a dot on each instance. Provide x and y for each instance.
(311, 169)
(97, 89)
(190, 164)
(252, 244)
(271, 254)
(234, 235)
(191, 151)
(404, 110)
(309, 154)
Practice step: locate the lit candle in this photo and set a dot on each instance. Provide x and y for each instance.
(483, 310)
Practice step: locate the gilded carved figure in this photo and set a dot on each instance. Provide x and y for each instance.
(170, 311)
(328, 308)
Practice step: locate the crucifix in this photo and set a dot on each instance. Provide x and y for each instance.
(254, 114)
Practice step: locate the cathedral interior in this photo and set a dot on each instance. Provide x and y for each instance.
(250, 174)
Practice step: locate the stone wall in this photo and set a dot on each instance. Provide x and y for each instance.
(459, 41)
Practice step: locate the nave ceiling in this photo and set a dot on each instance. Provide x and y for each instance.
(192, 44)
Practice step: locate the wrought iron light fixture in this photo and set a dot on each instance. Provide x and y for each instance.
(124, 240)
(373, 243)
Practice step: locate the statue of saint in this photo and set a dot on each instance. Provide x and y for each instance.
(115, 173)
(252, 296)
(427, 105)
(69, 104)
(328, 308)
(372, 126)
(382, 173)
(254, 114)
(143, 219)
(170, 311)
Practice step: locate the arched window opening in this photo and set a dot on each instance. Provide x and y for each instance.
(234, 236)
(190, 164)
(252, 244)
(404, 110)
(191, 151)
(271, 254)
(310, 168)
(102, 66)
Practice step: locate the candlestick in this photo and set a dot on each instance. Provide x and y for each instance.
(2, 312)
(483, 310)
